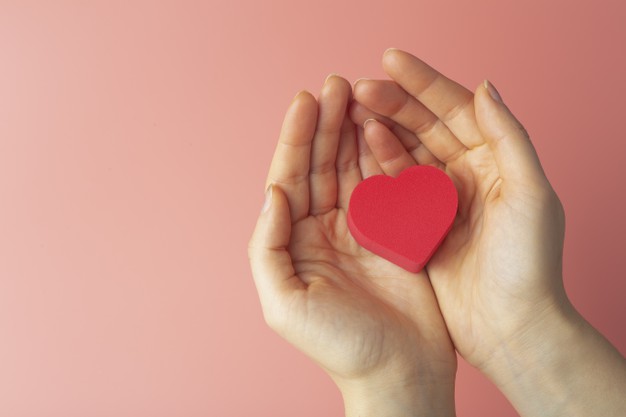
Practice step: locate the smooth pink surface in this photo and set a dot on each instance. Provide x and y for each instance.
(403, 219)
(134, 141)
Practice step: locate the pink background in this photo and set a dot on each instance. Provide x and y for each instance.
(134, 143)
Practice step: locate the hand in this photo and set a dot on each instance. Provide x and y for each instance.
(497, 276)
(375, 328)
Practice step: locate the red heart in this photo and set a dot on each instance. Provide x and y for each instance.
(404, 219)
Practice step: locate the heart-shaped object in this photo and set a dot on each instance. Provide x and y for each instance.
(403, 219)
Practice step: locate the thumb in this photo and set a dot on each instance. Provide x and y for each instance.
(270, 261)
(515, 155)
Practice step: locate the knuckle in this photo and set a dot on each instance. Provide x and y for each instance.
(346, 166)
(322, 168)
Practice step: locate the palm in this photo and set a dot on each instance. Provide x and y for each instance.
(382, 303)
(468, 269)
(484, 249)
(322, 246)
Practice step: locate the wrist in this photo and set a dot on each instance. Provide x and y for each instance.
(537, 342)
(433, 397)
(518, 363)
(559, 366)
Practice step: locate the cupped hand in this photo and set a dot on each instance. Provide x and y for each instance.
(367, 322)
(498, 272)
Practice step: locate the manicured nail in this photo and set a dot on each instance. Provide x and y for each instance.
(492, 91)
(367, 121)
(268, 199)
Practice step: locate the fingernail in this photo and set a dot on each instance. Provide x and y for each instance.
(297, 95)
(390, 49)
(359, 80)
(268, 199)
(492, 91)
(367, 121)
(332, 74)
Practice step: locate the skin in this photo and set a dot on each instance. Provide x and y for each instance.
(374, 327)
(494, 289)
(501, 263)
(498, 275)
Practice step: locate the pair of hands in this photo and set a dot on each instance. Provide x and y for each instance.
(379, 331)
